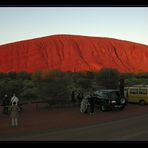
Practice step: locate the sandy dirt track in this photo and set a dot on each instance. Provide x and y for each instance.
(46, 118)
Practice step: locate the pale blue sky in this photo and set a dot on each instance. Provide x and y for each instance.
(126, 23)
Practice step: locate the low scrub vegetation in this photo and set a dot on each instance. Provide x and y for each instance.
(56, 86)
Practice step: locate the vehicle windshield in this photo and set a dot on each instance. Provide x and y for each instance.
(113, 94)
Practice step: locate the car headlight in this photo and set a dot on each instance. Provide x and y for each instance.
(113, 101)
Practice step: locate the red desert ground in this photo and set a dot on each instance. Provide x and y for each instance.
(73, 53)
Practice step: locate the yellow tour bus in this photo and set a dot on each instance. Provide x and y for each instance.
(137, 94)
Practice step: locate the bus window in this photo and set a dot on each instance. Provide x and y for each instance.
(133, 91)
(143, 91)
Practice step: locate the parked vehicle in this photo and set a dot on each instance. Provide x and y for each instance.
(137, 94)
(106, 100)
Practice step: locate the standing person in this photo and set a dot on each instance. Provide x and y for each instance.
(14, 114)
(73, 96)
(91, 100)
(5, 104)
(14, 99)
(80, 97)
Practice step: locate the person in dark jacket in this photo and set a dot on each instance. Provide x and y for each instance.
(73, 96)
(6, 103)
(91, 100)
(80, 97)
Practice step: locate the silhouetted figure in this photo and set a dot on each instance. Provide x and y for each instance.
(6, 103)
(73, 96)
(91, 100)
(80, 96)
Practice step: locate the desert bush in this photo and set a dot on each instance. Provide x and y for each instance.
(108, 78)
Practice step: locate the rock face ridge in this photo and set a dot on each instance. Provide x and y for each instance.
(73, 53)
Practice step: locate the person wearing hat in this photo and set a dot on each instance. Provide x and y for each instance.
(14, 99)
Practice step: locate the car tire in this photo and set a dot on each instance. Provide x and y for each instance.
(123, 100)
(142, 102)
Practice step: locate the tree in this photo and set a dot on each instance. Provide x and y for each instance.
(54, 90)
(108, 78)
(36, 76)
(11, 75)
(29, 90)
(23, 75)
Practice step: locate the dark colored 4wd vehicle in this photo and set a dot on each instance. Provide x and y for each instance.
(105, 100)
(109, 100)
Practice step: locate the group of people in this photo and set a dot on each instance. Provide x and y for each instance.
(78, 96)
(11, 106)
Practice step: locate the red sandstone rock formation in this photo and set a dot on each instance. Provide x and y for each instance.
(73, 53)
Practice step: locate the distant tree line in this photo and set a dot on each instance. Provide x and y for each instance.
(56, 86)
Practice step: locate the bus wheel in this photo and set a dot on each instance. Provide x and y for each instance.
(142, 102)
